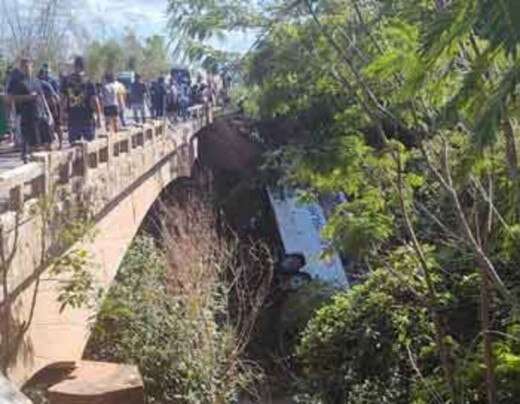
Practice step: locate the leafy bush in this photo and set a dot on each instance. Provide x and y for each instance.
(356, 346)
(295, 312)
(169, 313)
(507, 370)
(181, 351)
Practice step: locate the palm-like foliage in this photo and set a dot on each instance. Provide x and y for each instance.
(478, 41)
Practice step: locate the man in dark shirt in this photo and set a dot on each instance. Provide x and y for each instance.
(159, 97)
(27, 93)
(153, 97)
(45, 74)
(138, 93)
(82, 102)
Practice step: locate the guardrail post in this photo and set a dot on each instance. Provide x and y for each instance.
(117, 148)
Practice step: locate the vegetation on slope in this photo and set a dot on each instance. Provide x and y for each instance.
(411, 110)
(173, 311)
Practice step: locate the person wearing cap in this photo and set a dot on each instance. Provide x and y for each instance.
(82, 104)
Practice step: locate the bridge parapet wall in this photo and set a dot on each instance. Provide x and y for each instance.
(30, 181)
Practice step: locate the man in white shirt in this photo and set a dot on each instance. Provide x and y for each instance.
(113, 103)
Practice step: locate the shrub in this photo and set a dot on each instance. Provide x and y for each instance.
(356, 346)
(169, 314)
(297, 309)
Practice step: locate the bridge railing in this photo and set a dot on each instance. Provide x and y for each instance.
(30, 181)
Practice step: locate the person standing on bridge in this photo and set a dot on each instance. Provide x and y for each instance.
(123, 95)
(172, 103)
(53, 104)
(27, 93)
(82, 103)
(184, 101)
(45, 74)
(113, 103)
(138, 94)
(159, 97)
(13, 116)
(4, 115)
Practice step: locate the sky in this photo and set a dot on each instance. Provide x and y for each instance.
(105, 19)
(145, 17)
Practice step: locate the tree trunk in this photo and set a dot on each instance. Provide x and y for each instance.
(431, 294)
(489, 363)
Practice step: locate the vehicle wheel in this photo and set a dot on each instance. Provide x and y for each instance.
(298, 280)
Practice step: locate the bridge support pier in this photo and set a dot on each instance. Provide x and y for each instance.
(99, 383)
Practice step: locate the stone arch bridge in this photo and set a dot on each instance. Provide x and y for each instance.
(116, 180)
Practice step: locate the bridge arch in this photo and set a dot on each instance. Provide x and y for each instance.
(120, 179)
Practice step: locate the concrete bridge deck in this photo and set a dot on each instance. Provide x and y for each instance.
(112, 180)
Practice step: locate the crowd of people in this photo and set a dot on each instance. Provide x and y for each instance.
(173, 98)
(37, 109)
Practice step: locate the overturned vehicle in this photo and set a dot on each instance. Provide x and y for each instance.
(292, 227)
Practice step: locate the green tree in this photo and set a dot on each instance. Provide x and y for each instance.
(150, 58)
(134, 52)
(156, 60)
(409, 108)
(104, 57)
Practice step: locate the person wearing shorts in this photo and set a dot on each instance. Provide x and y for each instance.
(113, 103)
(85, 132)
